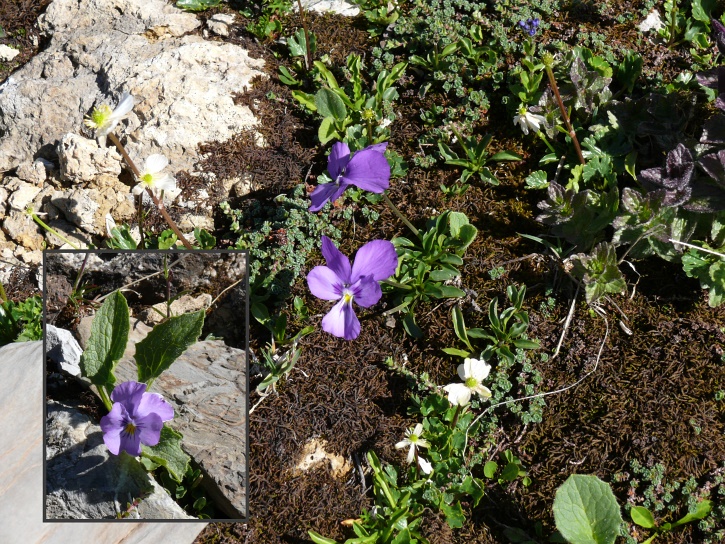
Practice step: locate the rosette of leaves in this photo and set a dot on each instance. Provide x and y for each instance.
(709, 268)
(591, 86)
(599, 272)
(675, 177)
(647, 224)
(578, 217)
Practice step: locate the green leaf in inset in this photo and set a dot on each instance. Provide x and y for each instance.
(586, 511)
(107, 342)
(490, 468)
(168, 453)
(163, 345)
(327, 130)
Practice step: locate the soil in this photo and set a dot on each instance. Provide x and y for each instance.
(650, 394)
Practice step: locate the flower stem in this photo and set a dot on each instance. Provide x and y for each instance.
(396, 211)
(104, 397)
(3, 296)
(308, 54)
(540, 134)
(37, 219)
(156, 201)
(455, 416)
(564, 114)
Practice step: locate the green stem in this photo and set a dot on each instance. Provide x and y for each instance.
(460, 140)
(308, 54)
(37, 219)
(3, 296)
(455, 416)
(104, 397)
(543, 139)
(396, 211)
(564, 114)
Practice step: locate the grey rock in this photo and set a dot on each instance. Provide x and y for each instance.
(341, 7)
(85, 481)
(62, 347)
(81, 160)
(219, 24)
(21, 455)
(34, 172)
(22, 195)
(207, 387)
(98, 49)
(21, 228)
(182, 305)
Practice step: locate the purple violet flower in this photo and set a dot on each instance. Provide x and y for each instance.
(374, 262)
(136, 418)
(368, 169)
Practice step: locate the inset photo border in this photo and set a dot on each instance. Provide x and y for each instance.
(146, 385)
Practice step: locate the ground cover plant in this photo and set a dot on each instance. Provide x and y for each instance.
(553, 330)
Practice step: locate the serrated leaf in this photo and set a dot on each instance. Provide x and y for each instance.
(107, 342)
(586, 511)
(168, 453)
(165, 343)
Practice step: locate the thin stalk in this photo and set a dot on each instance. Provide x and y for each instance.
(540, 134)
(308, 56)
(564, 114)
(80, 273)
(104, 397)
(455, 416)
(156, 201)
(37, 219)
(139, 218)
(673, 22)
(396, 211)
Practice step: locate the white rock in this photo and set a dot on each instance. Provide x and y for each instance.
(184, 86)
(33, 172)
(182, 305)
(651, 22)
(21, 228)
(81, 160)
(341, 7)
(7, 53)
(219, 24)
(22, 196)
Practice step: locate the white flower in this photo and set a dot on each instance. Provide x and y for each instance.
(103, 120)
(425, 466)
(472, 372)
(652, 22)
(413, 439)
(151, 178)
(528, 121)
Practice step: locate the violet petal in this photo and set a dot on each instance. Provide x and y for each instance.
(129, 394)
(131, 443)
(341, 321)
(153, 403)
(338, 159)
(324, 283)
(369, 170)
(377, 259)
(322, 194)
(366, 292)
(336, 261)
(148, 429)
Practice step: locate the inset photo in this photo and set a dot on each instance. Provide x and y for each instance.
(146, 391)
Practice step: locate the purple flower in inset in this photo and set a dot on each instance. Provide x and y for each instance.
(374, 262)
(368, 169)
(530, 26)
(136, 418)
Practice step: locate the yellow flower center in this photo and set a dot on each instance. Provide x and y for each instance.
(347, 297)
(130, 428)
(471, 383)
(147, 179)
(100, 115)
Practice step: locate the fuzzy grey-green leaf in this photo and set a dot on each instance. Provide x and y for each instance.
(168, 453)
(165, 343)
(107, 342)
(586, 511)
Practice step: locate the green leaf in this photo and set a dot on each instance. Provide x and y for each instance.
(168, 453)
(459, 326)
(197, 5)
(107, 342)
(457, 352)
(505, 156)
(444, 275)
(329, 104)
(327, 130)
(204, 238)
(121, 238)
(702, 510)
(489, 469)
(163, 345)
(586, 511)
(448, 291)
(526, 344)
(642, 517)
(510, 472)
(456, 220)
(454, 514)
(306, 99)
(537, 180)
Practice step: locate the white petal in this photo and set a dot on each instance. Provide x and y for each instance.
(166, 182)
(400, 445)
(418, 429)
(411, 454)
(425, 466)
(125, 105)
(479, 370)
(482, 391)
(458, 394)
(138, 189)
(154, 164)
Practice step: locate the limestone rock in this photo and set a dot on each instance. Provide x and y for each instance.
(81, 160)
(21, 228)
(86, 481)
(23, 194)
(98, 49)
(34, 172)
(341, 7)
(7, 53)
(87, 208)
(219, 24)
